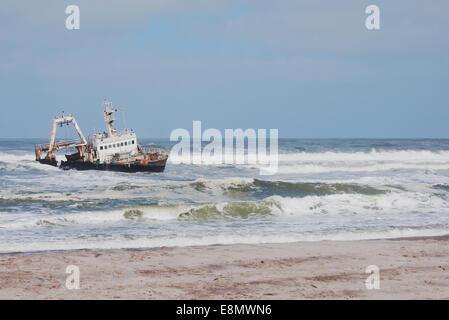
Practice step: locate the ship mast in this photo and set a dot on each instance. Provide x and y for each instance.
(108, 111)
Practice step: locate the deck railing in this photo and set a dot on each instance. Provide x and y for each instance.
(59, 144)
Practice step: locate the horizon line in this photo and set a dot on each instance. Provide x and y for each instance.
(283, 138)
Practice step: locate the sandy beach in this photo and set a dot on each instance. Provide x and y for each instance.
(409, 269)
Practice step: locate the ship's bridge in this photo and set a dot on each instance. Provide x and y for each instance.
(112, 144)
(107, 147)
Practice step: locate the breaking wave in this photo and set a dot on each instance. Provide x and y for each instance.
(406, 156)
(444, 187)
(229, 186)
(384, 205)
(295, 189)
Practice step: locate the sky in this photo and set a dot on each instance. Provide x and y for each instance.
(310, 69)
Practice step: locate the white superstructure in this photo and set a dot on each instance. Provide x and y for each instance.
(112, 145)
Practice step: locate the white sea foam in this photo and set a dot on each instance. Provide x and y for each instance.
(360, 168)
(358, 204)
(183, 241)
(117, 188)
(388, 204)
(362, 162)
(35, 204)
(406, 156)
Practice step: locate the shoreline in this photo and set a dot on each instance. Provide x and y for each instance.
(410, 268)
(61, 251)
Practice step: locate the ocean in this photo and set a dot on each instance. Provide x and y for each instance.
(336, 189)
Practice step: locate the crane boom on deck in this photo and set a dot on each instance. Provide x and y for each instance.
(53, 145)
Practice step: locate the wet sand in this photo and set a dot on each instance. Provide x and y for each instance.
(409, 269)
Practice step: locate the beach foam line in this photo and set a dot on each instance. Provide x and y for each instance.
(224, 239)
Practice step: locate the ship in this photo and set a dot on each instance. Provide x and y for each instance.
(108, 151)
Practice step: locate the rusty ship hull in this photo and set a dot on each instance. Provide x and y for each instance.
(155, 166)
